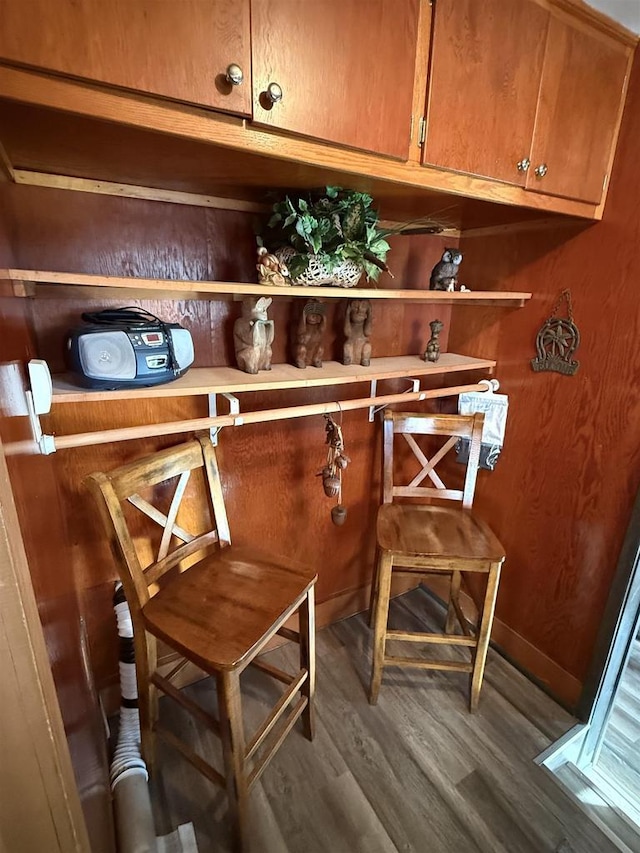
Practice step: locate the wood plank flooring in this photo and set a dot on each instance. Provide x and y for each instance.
(415, 774)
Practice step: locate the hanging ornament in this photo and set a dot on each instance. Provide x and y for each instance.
(331, 474)
(557, 341)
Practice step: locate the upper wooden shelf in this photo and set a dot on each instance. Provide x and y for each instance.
(35, 282)
(219, 380)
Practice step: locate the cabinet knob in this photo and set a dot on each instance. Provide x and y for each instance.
(523, 165)
(274, 93)
(234, 74)
(541, 170)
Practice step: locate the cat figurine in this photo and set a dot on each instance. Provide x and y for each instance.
(444, 276)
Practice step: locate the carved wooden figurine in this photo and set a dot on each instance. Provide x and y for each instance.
(253, 335)
(358, 322)
(307, 339)
(444, 276)
(271, 270)
(432, 353)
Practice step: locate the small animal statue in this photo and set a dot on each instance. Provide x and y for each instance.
(444, 276)
(358, 322)
(307, 338)
(271, 270)
(253, 335)
(432, 352)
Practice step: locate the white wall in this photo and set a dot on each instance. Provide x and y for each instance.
(627, 12)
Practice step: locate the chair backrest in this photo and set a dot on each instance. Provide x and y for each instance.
(453, 426)
(124, 484)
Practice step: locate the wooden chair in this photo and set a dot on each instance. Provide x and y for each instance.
(219, 613)
(422, 539)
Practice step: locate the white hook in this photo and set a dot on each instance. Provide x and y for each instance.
(492, 385)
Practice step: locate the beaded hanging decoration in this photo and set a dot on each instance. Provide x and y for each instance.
(557, 341)
(337, 461)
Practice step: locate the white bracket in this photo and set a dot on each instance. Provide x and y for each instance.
(234, 409)
(39, 397)
(414, 386)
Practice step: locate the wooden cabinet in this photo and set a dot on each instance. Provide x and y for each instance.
(345, 70)
(483, 88)
(578, 111)
(180, 50)
(524, 95)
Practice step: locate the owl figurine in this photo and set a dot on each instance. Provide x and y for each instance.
(444, 276)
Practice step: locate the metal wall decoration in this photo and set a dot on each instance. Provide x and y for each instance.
(557, 341)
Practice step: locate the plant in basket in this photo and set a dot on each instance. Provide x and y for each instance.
(329, 237)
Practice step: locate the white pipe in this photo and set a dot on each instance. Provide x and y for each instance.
(129, 778)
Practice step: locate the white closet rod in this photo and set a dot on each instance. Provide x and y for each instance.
(84, 439)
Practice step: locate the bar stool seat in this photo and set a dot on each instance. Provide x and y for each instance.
(436, 531)
(248, 594)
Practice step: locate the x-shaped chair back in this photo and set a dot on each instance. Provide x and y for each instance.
(176, 462)
(454, 427)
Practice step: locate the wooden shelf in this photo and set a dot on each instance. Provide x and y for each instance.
(218, 380)
(38, 282)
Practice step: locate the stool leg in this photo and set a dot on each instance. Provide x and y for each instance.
(308, 659)
(484, 633)
(385, 563)
(146, 663)
(454, 594)
(375, 583)
(233, 748)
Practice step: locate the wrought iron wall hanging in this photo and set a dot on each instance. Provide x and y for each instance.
(557, 341)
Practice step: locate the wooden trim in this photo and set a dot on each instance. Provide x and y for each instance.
(86, 185)
(220, 380)
(6, 167)
(423, 48)
(195, 123)
(614, 145)
(579, 10)
(37, 774)
(210, 289)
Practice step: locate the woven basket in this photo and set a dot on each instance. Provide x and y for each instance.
(346, 274)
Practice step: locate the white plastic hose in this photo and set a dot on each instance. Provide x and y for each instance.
(128, 775)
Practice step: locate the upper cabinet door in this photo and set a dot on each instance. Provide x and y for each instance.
(179, 49)
(485, 73)
(336, 70)
(578, 112)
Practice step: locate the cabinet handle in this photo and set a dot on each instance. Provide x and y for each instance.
(541, 170)
(274, 93)
(523, 165)
(234, 74)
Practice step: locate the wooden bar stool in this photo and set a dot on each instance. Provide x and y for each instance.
(423, 539)
(214, 604)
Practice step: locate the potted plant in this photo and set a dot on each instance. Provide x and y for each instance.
(330, 237)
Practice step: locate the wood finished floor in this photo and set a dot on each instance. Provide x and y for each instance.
(416, 774)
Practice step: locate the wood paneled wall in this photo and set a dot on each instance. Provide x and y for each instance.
(561, 495)
(37, 498)
(273, 495)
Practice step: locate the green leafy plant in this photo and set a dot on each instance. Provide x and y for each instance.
(337, 225)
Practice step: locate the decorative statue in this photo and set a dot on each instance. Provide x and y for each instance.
(444, 276)
(271, 270)
(432, 352)
(357, 331)
(307, 340)
(337, 461)
(253, 335)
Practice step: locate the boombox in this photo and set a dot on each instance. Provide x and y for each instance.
(127, 348)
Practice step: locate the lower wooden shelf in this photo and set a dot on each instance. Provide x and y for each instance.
(219, 380)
